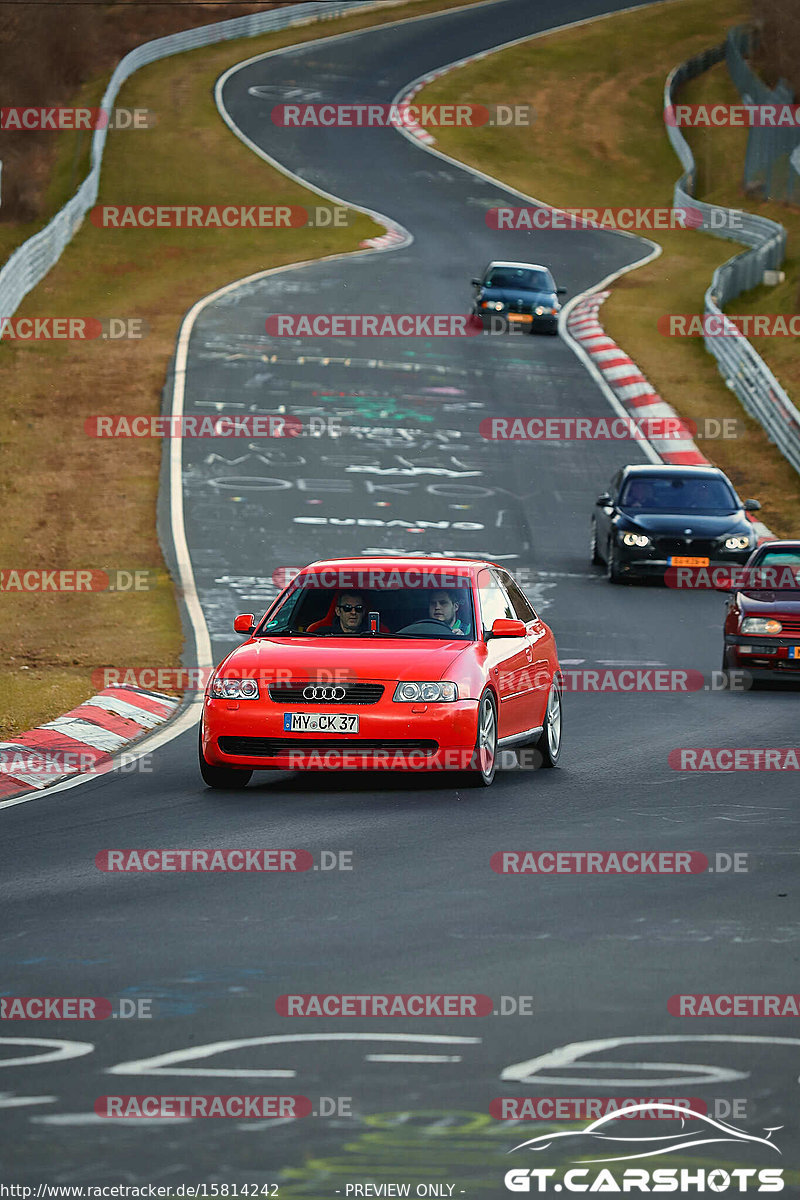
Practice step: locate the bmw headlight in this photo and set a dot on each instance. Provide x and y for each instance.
(424, 693)
(234, 689)
(761, 625)
(635, 539)
(494, 305)
(540, 310)
(737, 543)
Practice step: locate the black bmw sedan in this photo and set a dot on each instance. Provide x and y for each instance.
(521, 295)
(654, 517)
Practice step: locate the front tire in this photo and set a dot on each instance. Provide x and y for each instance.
(483, 766)
(596, 559)
(613, 574)
(549, 743)
(222, 778)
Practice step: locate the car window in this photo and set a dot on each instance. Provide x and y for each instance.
(420, 602)
(524, 277)
(519, 602)
(493, 600)
(677, 493)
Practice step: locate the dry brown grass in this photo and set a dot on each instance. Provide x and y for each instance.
(73, 501)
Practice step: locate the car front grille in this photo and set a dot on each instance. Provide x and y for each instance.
(354, 693)
(790, 625)
(690, 548)
(251, 747)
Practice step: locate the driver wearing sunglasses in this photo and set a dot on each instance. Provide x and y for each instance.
(350, 610)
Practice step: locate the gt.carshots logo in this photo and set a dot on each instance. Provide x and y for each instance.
(697, 1129)
(395, 325)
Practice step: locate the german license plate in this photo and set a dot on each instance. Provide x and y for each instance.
(319, 723)
(678, 560)
(525, 318)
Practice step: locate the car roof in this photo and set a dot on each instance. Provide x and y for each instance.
(780, 544)
(527, 266)
(399, 562)
(708, 472)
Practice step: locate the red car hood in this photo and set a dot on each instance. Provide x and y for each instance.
(757, 603)
(379, 659)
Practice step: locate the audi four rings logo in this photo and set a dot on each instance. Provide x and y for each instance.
(323, 693)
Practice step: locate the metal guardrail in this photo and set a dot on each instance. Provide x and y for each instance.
(768, 165)
(31, 261)
(743, 370)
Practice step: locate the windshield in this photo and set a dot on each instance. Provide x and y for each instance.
(434, 607)
(774, 570)
(521, 277)
(677, 493)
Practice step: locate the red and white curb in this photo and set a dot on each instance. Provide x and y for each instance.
(412, 127)
(392, 237)
(633, 391)
(89, 736)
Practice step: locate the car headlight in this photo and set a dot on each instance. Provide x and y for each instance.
(495, 305)
(761, 625)
(635, 539)
(540, 310)
(425, 692)
(234, 689)
(737, 543)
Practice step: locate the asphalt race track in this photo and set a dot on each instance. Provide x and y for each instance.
(421, 910)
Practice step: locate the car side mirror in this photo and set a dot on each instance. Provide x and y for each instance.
(752, 505)
(562, 291)
(476, 282)
(505, 627)
(244, 623)
(604, 500)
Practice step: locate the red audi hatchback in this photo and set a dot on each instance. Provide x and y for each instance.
(375, 663)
